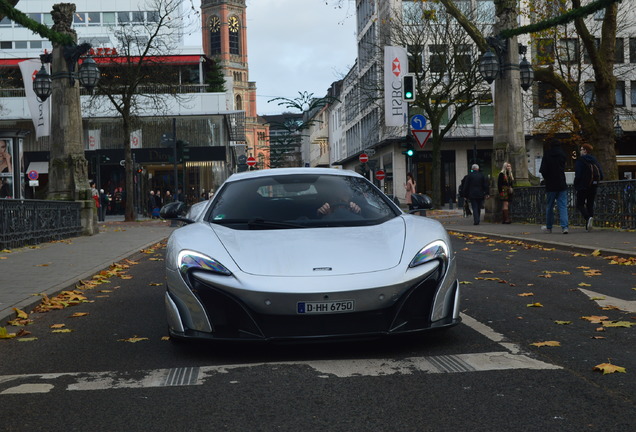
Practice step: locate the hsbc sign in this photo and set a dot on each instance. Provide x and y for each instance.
(395, 66)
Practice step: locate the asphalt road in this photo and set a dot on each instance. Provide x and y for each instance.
(483, 375)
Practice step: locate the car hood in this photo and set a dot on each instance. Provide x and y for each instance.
(315, 251)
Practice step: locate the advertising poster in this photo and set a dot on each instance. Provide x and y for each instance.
(6, 168)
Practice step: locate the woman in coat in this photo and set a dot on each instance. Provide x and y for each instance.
(504, 185)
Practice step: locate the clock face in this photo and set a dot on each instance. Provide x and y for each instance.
(215, 24)
(233, 23)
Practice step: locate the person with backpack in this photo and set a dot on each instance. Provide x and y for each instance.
(587, 175)
(556, 189)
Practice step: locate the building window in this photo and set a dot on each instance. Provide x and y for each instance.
(234, 26)
(437, 59)
(620, 93)
(6, 44)
(620, 51)
(109, 18)
(214, 25)
(487, 114)
(123, 17)
(20, 44)
(632, 93)
(463, 61)
(35, 44)
(94, 18)
(465, 118)
(545, 52)
(79, 19)
(588, 93)
(569, 51)
(138, 16)
(37, 17)
(47, 19)
(239, 103)
(152, 16)
(546, 96)
(586, 57)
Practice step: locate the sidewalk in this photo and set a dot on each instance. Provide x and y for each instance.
(55, 266)
(609, 241)
(52, 267)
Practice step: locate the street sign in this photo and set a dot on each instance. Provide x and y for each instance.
(122, 162)
(33, 175)
(418, 121)
(421, 136)
(364, 158)
(380, 175)
(251, 161)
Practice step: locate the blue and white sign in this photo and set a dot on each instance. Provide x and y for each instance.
(418, 121)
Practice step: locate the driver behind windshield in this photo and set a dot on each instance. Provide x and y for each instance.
(341, 198)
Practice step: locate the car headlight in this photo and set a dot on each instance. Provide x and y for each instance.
(437, 250)
(193, 260)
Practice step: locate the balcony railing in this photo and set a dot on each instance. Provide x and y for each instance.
(148, 89)
(614, 206)
(28, 222)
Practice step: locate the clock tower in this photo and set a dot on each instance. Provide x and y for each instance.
(225, 41)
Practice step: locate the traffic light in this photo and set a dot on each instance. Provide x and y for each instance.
(410, 149)
(183, 150)
(408, 88)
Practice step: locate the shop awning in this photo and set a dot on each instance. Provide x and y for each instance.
(39, 167)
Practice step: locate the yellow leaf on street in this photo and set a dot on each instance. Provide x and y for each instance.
(528, 294)
(563, 322)
(31, 339)
(78, 314)
(62, 331)
(608, 368)
(595, 318)
(486, 272)
(596, 253)
(57, 326)
(155, 284)
(583, 284)
(465, 283)
(547, 343)
(20, 313)
(597, 298)
(4, 334)
(134, 339)
(535, 305)
(626, 324)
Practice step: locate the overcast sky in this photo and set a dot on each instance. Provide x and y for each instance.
(297, 46)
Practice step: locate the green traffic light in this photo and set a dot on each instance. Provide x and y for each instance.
(410, 152)
(408, 95)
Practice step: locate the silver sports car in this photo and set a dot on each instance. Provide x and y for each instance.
(306, 253)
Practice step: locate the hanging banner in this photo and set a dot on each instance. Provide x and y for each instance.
(395, 66)
(135, 139)
(94, 139)
(40, 111)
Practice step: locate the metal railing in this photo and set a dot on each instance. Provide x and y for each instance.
(28, 222)
(614, 205)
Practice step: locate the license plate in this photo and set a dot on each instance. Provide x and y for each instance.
(326, 307)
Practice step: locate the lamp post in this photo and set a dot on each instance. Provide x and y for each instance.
(68, 167)
(501, 65)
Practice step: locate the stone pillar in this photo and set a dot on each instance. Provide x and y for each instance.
(68, 167)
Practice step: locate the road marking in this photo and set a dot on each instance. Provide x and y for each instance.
(604, 300)
(512, 358)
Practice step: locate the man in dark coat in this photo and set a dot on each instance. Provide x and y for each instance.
(586, 183)
(476, 190)
(553, 171)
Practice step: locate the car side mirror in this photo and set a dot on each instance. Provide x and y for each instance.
(421, 202)
(173, 210)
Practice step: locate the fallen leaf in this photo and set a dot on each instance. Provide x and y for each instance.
(465, 283)
(57, 326)
(165, 338)
(4, 334)
(598, 337)
(27, 339)
(62, 331)
(583, 284)
(134, 339)
(528, 294)
(596, 253)
(563, 322)
(79, 314)
(155, 284)
(625, 324)
(534, 305)
(608, 368)
(595, 318)
(597, 298)
(20, 313)
(547, 343)
(610, 307)
(486, 272)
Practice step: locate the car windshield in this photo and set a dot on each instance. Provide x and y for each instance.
(300, 201)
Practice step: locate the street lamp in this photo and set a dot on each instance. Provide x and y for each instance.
(88, 73)
(618, 129)
(492, 64)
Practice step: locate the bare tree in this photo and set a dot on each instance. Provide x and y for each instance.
(442, 58)
(137, 80)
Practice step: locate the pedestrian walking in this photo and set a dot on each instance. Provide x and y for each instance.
(465, 201)
(476, 189)
(103, 201)
(587, 175)
(410, 189)
(556, 189)
(504, 186)
(95, 196)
